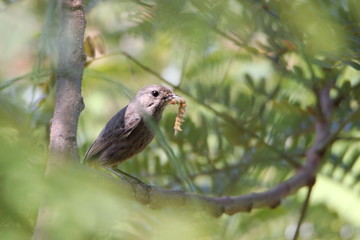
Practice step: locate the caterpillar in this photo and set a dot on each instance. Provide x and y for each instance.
(181, 112)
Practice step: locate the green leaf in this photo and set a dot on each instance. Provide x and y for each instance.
(321, 63)
(353, 64)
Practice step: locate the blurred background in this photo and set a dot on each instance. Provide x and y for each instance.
(248, 70)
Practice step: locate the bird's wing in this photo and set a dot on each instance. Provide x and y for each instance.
(119, 127)
(95, 149)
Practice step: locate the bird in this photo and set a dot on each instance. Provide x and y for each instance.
(130, 130)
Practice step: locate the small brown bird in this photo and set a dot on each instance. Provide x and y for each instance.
(129, 131)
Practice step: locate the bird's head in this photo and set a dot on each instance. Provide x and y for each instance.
(153, 99)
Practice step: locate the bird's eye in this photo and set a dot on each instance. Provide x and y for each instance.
(155, 93)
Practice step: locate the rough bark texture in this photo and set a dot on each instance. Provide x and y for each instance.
(69, 104)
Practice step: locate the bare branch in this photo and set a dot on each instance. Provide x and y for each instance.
(303, 212)
(12, 81)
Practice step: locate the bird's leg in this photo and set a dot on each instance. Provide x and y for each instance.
(125, 176)
(144, 198)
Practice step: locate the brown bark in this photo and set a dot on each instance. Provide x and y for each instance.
(69, 104)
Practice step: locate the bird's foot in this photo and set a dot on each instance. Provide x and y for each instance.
(135, 182)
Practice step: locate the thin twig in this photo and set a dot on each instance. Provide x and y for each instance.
(331, 138)
(9, 82)
(184, 64)
(348, 138)
(303, 212)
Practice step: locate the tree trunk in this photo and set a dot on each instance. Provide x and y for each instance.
(71, 59)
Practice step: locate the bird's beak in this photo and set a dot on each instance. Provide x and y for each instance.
(172, 97)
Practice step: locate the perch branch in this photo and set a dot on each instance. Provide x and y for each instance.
(305, 176)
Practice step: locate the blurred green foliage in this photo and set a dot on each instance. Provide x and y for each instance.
(248, 69)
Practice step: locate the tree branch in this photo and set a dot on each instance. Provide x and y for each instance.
(303, 213)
